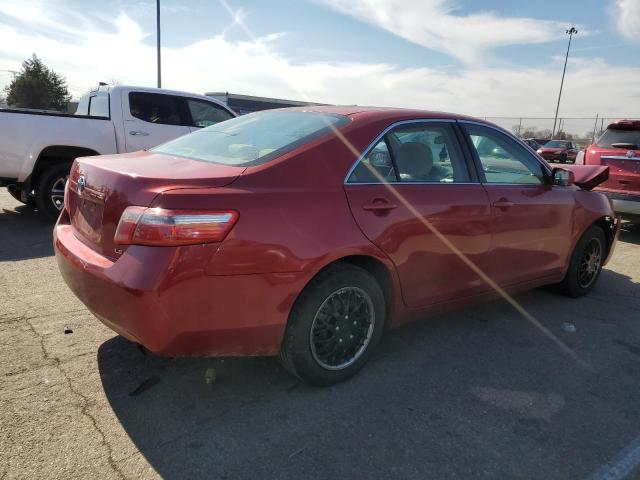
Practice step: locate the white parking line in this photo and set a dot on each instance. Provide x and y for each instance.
(622, 465)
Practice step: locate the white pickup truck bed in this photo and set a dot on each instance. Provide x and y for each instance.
(37, 148)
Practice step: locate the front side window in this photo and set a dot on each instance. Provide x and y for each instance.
(503, 160)
(205, 114)
(253, 139)
(414, 153)
(155, 108)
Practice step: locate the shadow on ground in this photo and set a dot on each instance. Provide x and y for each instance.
(473, 394)
(24, 234)
(630, 233)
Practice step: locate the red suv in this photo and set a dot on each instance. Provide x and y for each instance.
(619, 148)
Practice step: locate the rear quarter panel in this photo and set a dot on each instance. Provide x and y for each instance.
(294, 215)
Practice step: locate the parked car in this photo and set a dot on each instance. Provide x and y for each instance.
(532, 143)
(38, 147)
(270, 234)
(562, 151)
(619, 149)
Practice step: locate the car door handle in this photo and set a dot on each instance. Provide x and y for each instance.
(503, 204)
(138, 132)
(379, 205)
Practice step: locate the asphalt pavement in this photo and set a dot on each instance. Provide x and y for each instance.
(478, 393)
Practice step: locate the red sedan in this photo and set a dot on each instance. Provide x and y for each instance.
(307, 232)
(562, 151)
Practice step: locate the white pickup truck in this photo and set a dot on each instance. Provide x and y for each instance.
(37, 148)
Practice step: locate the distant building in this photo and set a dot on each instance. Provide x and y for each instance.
(243, 104)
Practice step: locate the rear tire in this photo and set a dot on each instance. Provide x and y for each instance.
(50, 190)
(586, 263)
(334, 325)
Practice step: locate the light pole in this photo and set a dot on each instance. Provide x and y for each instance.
(569, 32)
(158, 38)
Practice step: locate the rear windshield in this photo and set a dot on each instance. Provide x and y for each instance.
(253, 139)
(611, 136)
(557, 144)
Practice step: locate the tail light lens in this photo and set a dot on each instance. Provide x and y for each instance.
(65, 198)
(164, 227)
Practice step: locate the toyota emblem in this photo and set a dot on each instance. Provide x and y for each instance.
(631, 153)
(81, 184)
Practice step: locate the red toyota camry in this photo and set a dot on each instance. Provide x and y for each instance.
(307, 232)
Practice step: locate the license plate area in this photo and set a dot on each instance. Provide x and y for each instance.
(87, 218)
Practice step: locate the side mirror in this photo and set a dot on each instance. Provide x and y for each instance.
(562, 177)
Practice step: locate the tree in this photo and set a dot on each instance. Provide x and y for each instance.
(37, 86)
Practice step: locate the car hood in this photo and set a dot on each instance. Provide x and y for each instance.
(551, 150)
(588, 176)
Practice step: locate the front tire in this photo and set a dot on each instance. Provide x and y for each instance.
(586, 263)
(50, 190)
(334, 326)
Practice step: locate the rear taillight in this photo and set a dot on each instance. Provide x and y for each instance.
(164, 227)
(65, 198)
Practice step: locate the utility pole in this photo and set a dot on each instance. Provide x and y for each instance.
(569, 32)
(12, 72)
(158, 38)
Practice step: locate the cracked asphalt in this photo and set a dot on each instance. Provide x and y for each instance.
(477, 393)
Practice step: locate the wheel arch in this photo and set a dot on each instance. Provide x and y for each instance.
(608, 225)
(56, 154)
(382, 273)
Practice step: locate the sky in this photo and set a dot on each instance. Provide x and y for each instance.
(483, 58)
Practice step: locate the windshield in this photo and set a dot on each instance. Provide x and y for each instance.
(557, 144)
(612, 136)
(253, 139)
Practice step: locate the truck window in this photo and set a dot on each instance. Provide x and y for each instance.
(99, 105)
(83, 106)
(205, 114)
(156, 108)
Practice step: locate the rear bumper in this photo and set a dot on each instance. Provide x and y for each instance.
(624, 204)
(162, 298)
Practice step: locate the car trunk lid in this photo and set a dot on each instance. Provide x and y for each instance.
(100, 188)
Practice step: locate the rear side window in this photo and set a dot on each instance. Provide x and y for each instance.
(99, 105)
(83, 106)
(612, 136)
(205, 114)
(253, 139)
(156, 108)
(414, 153)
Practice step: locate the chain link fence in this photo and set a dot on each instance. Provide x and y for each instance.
(582, 130)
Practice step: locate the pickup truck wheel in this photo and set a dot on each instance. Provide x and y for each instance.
(334, 325)
(50, 190)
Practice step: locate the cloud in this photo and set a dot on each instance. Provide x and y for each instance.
(435, 24)
(628, 18)
(120, 49)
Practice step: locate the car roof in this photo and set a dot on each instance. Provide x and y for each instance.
(384, 113)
